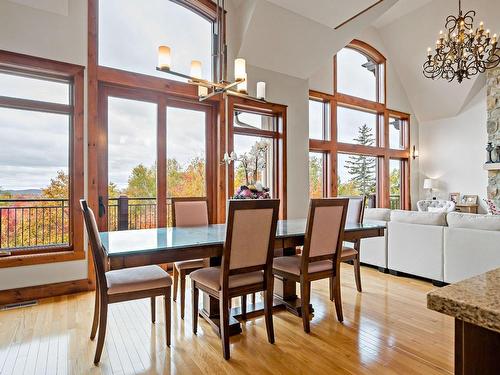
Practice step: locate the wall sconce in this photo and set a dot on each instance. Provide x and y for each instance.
(414, 152)
(229, 158)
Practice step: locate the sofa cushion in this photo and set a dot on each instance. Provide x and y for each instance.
(415, 217)
(472, 221)
(382, 214)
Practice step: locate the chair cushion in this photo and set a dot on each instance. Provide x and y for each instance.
(210, 277)
(190, 264)
(291, 264)
(348, 252)
(136, 279)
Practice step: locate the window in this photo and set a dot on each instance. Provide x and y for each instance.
(40, 149)
(161, 22)
(369, 147)
(317, 185)
(358, 75)
(257, 133)
(356, 127)
(319, 124)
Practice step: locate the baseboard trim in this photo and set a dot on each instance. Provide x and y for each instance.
(44, 291)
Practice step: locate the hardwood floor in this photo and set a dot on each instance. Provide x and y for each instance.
(386, 330)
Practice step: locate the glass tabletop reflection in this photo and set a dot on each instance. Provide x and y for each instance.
(147, 240)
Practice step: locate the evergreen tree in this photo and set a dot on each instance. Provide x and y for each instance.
(361, 167)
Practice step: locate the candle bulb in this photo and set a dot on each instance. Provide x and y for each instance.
(261, 90)
(196, 73)
(164, 57)
(429, 51)
(242, 86)
(240, 69)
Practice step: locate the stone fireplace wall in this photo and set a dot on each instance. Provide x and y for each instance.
(493, 126)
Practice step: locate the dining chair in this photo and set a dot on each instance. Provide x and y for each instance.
(355, 213)
(320, 258)
(246, 263)
(187, 212)
(122, 285)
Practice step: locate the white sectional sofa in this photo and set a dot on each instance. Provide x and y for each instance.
(442, 247)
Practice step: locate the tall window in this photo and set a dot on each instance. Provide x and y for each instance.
(369, 146)
(40, 151)
(257, 138)
(144, 28)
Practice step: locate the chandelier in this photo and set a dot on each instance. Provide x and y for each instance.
(462, 52)
(207, 89)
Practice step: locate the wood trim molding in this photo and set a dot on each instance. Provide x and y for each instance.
(357, 15)
(44, 291)
(42, 258)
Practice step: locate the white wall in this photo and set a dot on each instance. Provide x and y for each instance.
(56, 30)
(397, 99)
(294, 93)
(452, 150)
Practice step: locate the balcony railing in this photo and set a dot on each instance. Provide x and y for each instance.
(131, 213)
(394, 201)
(33, 222)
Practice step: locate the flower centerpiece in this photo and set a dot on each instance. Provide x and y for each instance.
(251, 166)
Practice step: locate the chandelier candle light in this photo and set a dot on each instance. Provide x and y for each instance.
(462, 52)
(221, 86)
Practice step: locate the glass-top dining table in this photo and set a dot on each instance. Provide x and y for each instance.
(132, 248)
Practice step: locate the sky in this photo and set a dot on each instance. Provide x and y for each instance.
(34, 145)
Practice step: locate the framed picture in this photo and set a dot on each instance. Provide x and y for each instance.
(455, 197)
(470, 199)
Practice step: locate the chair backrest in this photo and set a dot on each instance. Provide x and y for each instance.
(189, 212)
(355, 210)
(250, 234)
(98, 253)
(324, 230)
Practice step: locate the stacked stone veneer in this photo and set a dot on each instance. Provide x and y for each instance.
(493, 126)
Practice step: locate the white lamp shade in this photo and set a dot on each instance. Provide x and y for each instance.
(164, 57)
(261, 90)
(429, 183)
(196, 69)
(240, 69)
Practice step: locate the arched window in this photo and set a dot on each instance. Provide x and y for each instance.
(131, 31)
(357, 145)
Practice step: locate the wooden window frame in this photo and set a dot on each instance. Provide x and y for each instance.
(74, 75)
(247, 104)
(162, 101)
(381, 151)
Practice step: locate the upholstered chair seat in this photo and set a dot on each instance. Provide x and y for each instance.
(435, 205)
(137, 279)
(348, 252)
(292, 264)
(190, 264)
(210, 277)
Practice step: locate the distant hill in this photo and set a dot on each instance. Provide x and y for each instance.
(35, 192)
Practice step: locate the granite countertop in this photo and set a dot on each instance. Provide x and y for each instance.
(475, 300)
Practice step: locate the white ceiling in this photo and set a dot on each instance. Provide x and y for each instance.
(407, 37)
(295, 37)
(330, 13)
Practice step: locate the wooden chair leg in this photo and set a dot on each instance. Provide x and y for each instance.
(338, 298)
(244, 307)
(268, 312)
(153, 309)
(195, 298)
(175, 276)
(95, 321)
(357, 274)
(224, 326)
(182, 276)
(305, 290)
(103, 317)
(330, 287)
(168, 317)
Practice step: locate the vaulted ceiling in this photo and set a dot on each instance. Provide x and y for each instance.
(408, 29)
(296, 37)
